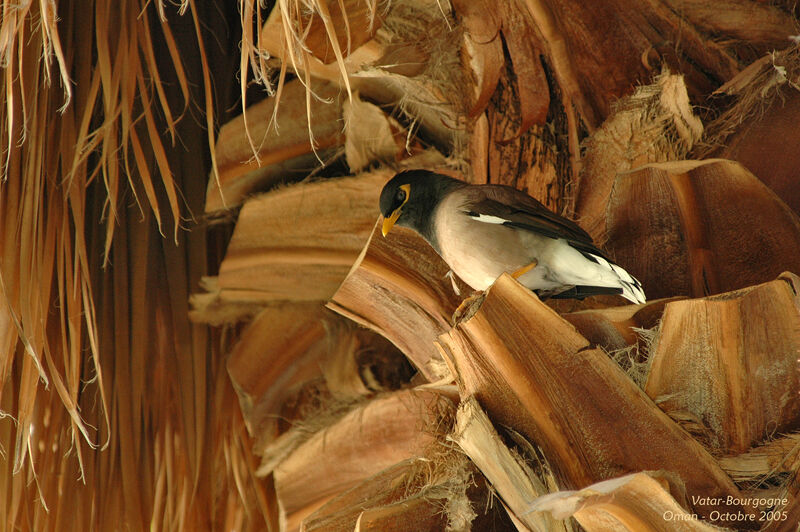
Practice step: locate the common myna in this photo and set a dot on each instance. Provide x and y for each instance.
(482, 231)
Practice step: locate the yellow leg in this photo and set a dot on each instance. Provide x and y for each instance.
(525, 269)
(464, 309)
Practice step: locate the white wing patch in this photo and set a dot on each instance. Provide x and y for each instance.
(487, 218)
(631, 287)
(625, 276)
(601, 261)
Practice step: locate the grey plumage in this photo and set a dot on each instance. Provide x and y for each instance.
(482, 231)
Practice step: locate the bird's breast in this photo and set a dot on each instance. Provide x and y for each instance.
(477, 251)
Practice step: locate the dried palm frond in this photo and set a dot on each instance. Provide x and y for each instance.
(95, 347)
(298, 17)
(43, 255)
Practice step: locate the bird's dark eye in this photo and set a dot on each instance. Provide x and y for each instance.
(399, 196)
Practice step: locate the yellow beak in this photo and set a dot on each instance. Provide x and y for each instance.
(388, 223)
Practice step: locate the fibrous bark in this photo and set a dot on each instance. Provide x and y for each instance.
(758, 125)
(398, 288)
(291, 360)
(507, 471)
(367, 440)
(440, 491)
(697, 228)
(531, 370)
(640, 501)
(654, 124)
(731, 360)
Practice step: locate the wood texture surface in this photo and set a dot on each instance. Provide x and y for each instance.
(697, 228)
(532, 371)
(316, 233)
(274, 151)
(398, 288)
(367, 440)
(731, 361)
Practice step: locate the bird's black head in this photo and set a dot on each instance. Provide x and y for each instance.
(410, 197)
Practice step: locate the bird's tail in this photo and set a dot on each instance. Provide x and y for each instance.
(632, 291)
(631, 287)
(581, 292)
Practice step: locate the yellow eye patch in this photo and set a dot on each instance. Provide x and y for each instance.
(389, 222)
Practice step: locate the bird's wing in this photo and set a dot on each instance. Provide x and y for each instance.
(511, 207)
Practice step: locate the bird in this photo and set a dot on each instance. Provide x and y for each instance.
(483, 231)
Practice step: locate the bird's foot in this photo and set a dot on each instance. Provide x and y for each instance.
(468, 307)
(525, 269)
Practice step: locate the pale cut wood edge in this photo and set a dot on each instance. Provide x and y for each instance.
(781, 455)
(633, 503)
(509, 475)
(249, 155)
(677, 167)
(397, 288)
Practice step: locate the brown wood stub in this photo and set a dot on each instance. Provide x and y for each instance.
(596, 49)
(697, 228)
(368, 439)
(731, 361)
(613, 328)
(702, 276)
(316, 231)
(522, 40)
(398, 288)
(415, 495)
(280, 150)
(385, 488)
(276, 354)
(482, 49)
(654, 124)
(645, 235)
(533, 372)
(761, 143)
(538, 160)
